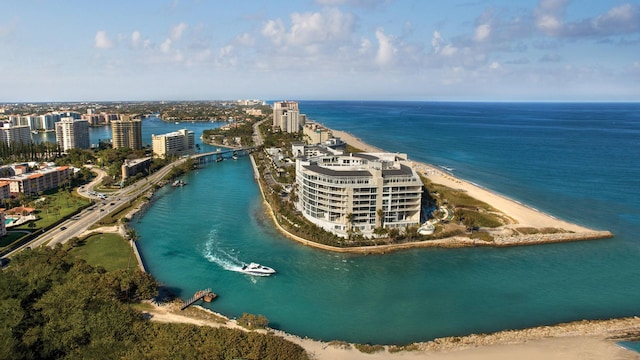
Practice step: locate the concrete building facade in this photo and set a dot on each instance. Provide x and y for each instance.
(356, 193)
(72, 134)
(178, 143)
(127, 132)
(287, 117)
(15, 133)
(34, 182)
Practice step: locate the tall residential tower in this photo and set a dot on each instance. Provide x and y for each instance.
(72, 133)
(287, 117)
(126, 132)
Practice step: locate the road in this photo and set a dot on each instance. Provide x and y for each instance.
(79, 223)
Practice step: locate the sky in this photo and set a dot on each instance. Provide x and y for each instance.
(414, 50)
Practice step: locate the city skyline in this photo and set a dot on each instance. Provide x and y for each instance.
(546, 50)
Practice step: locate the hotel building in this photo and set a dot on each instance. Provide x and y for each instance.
(72, 134)
(176, 143)
(343, 193)
(287, 117)
(126, 133)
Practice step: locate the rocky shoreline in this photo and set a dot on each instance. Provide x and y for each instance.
(612, 329)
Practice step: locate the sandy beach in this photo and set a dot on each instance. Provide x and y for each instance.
(571, 341)
(523, 215)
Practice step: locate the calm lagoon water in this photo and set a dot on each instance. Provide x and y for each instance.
(576, 161)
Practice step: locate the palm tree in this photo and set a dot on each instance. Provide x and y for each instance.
(349, 218)
(380, 214)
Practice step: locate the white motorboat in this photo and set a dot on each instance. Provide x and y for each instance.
(257, 269)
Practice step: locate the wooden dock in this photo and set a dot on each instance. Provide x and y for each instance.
(206, 295)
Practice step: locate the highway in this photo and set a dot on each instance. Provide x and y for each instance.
(79, 223)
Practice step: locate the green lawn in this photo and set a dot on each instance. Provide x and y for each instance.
(57, 206)
(110, 251)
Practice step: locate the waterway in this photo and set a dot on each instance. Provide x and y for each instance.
(575, 161)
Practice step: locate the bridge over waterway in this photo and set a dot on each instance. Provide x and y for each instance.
(221, 154)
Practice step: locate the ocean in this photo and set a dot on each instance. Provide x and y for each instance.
(575, 161)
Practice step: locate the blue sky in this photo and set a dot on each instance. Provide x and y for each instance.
(525, 50)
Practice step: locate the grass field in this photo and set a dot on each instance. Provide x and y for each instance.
(110, 251)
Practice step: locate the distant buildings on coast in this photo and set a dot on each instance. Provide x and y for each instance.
(287, 117)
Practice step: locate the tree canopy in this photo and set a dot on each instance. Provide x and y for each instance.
(55, 306)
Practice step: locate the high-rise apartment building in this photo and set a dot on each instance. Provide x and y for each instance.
(287, 117)
(347, 193)
(15, 133)
(178, 143)
(72, 133)
(126, 132)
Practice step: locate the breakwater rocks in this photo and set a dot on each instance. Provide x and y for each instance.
(533, 239)
(610, 329)
(460, 241)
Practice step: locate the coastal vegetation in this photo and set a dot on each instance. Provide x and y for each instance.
(236, 134)
(107, 250)
(54, 304)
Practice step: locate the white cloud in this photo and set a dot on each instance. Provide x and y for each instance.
(549, 15)
(177, 31)
(136, 39)
(482, 32)
(441, 46)
(245, 39)
(386, 50)
(102, 41)
(327, 27)
(275, 31)
(165, 47)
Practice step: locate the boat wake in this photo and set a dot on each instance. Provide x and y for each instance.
(215, 254)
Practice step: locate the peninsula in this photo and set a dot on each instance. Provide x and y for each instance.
(515, 224)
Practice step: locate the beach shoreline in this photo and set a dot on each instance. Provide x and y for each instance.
(586, 339)
(522, 216)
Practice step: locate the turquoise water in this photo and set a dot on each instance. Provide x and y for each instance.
(631, 345)
(8, 221)
(559, 158)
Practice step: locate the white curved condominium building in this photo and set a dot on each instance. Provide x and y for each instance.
(343, 193)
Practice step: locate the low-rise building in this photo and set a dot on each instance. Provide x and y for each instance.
(315, 133)
(357, 193)
(178, 143)
(133, 167)
(33, 182)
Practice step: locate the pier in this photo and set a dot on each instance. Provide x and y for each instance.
(206, 295)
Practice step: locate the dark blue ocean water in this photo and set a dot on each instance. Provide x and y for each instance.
(579, 162)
